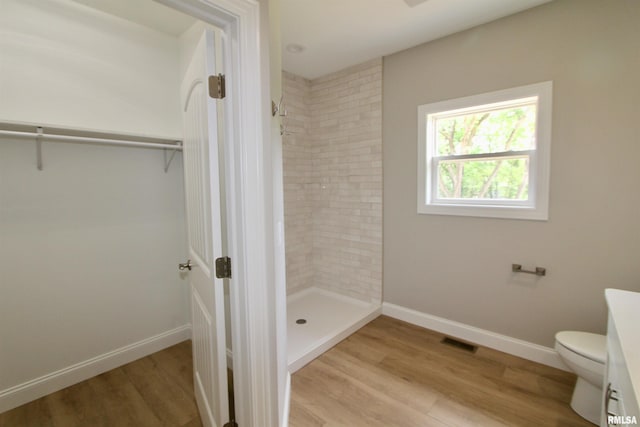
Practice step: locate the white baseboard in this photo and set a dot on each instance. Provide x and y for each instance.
(524, 349)
(34, 389)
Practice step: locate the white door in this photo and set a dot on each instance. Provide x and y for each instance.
(203, 211)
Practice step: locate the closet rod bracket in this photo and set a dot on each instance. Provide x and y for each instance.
(39, 148)
(167, 163)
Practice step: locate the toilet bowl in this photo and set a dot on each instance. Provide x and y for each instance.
(585, 354)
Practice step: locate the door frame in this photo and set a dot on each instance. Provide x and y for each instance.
(250, 192)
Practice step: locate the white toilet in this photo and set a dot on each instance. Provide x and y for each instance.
(585, 354)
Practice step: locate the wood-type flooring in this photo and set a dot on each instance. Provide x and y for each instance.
(156, 390)
(389, 373)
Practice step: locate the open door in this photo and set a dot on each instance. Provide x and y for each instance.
(204, 228)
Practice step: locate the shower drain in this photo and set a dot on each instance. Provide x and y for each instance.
(301, 321)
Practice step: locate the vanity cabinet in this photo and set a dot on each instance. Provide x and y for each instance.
(622, 375)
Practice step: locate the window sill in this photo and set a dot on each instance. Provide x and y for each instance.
(506, 212)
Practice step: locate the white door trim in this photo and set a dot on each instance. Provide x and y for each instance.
(249, 189)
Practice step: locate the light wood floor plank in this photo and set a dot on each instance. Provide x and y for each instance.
(389, 373)
(153, 391)
(35, 414)
(427, 383)
(164, 397)
(413, 395)
(177, 363)
(458, 415)
(117, 400)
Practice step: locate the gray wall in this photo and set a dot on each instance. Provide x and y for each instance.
(459, 268)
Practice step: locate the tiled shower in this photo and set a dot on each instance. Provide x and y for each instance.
(332, 149)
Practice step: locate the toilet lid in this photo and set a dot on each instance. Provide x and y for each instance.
(591, 346)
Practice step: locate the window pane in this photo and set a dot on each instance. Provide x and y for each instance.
(488, 131)
(506, 179)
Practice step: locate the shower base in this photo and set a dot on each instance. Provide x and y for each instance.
(324, 319)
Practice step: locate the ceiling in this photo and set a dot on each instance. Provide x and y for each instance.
(336, 34)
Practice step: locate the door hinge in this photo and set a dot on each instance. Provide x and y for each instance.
(217, 86)
(223, 267)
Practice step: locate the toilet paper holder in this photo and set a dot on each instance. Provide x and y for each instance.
(539, 271)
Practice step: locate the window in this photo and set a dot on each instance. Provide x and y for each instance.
(486, 155)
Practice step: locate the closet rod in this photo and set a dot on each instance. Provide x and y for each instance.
(69, 138)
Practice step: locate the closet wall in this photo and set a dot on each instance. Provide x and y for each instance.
(89, 246)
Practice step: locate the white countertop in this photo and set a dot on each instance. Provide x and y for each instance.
(624, 308)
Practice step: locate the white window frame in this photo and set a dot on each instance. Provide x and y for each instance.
(537, 206)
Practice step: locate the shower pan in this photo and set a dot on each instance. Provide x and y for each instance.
(318, 319)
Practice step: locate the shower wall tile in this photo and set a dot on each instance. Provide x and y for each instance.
(298, 207)
(346, 155)
(333, 181)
